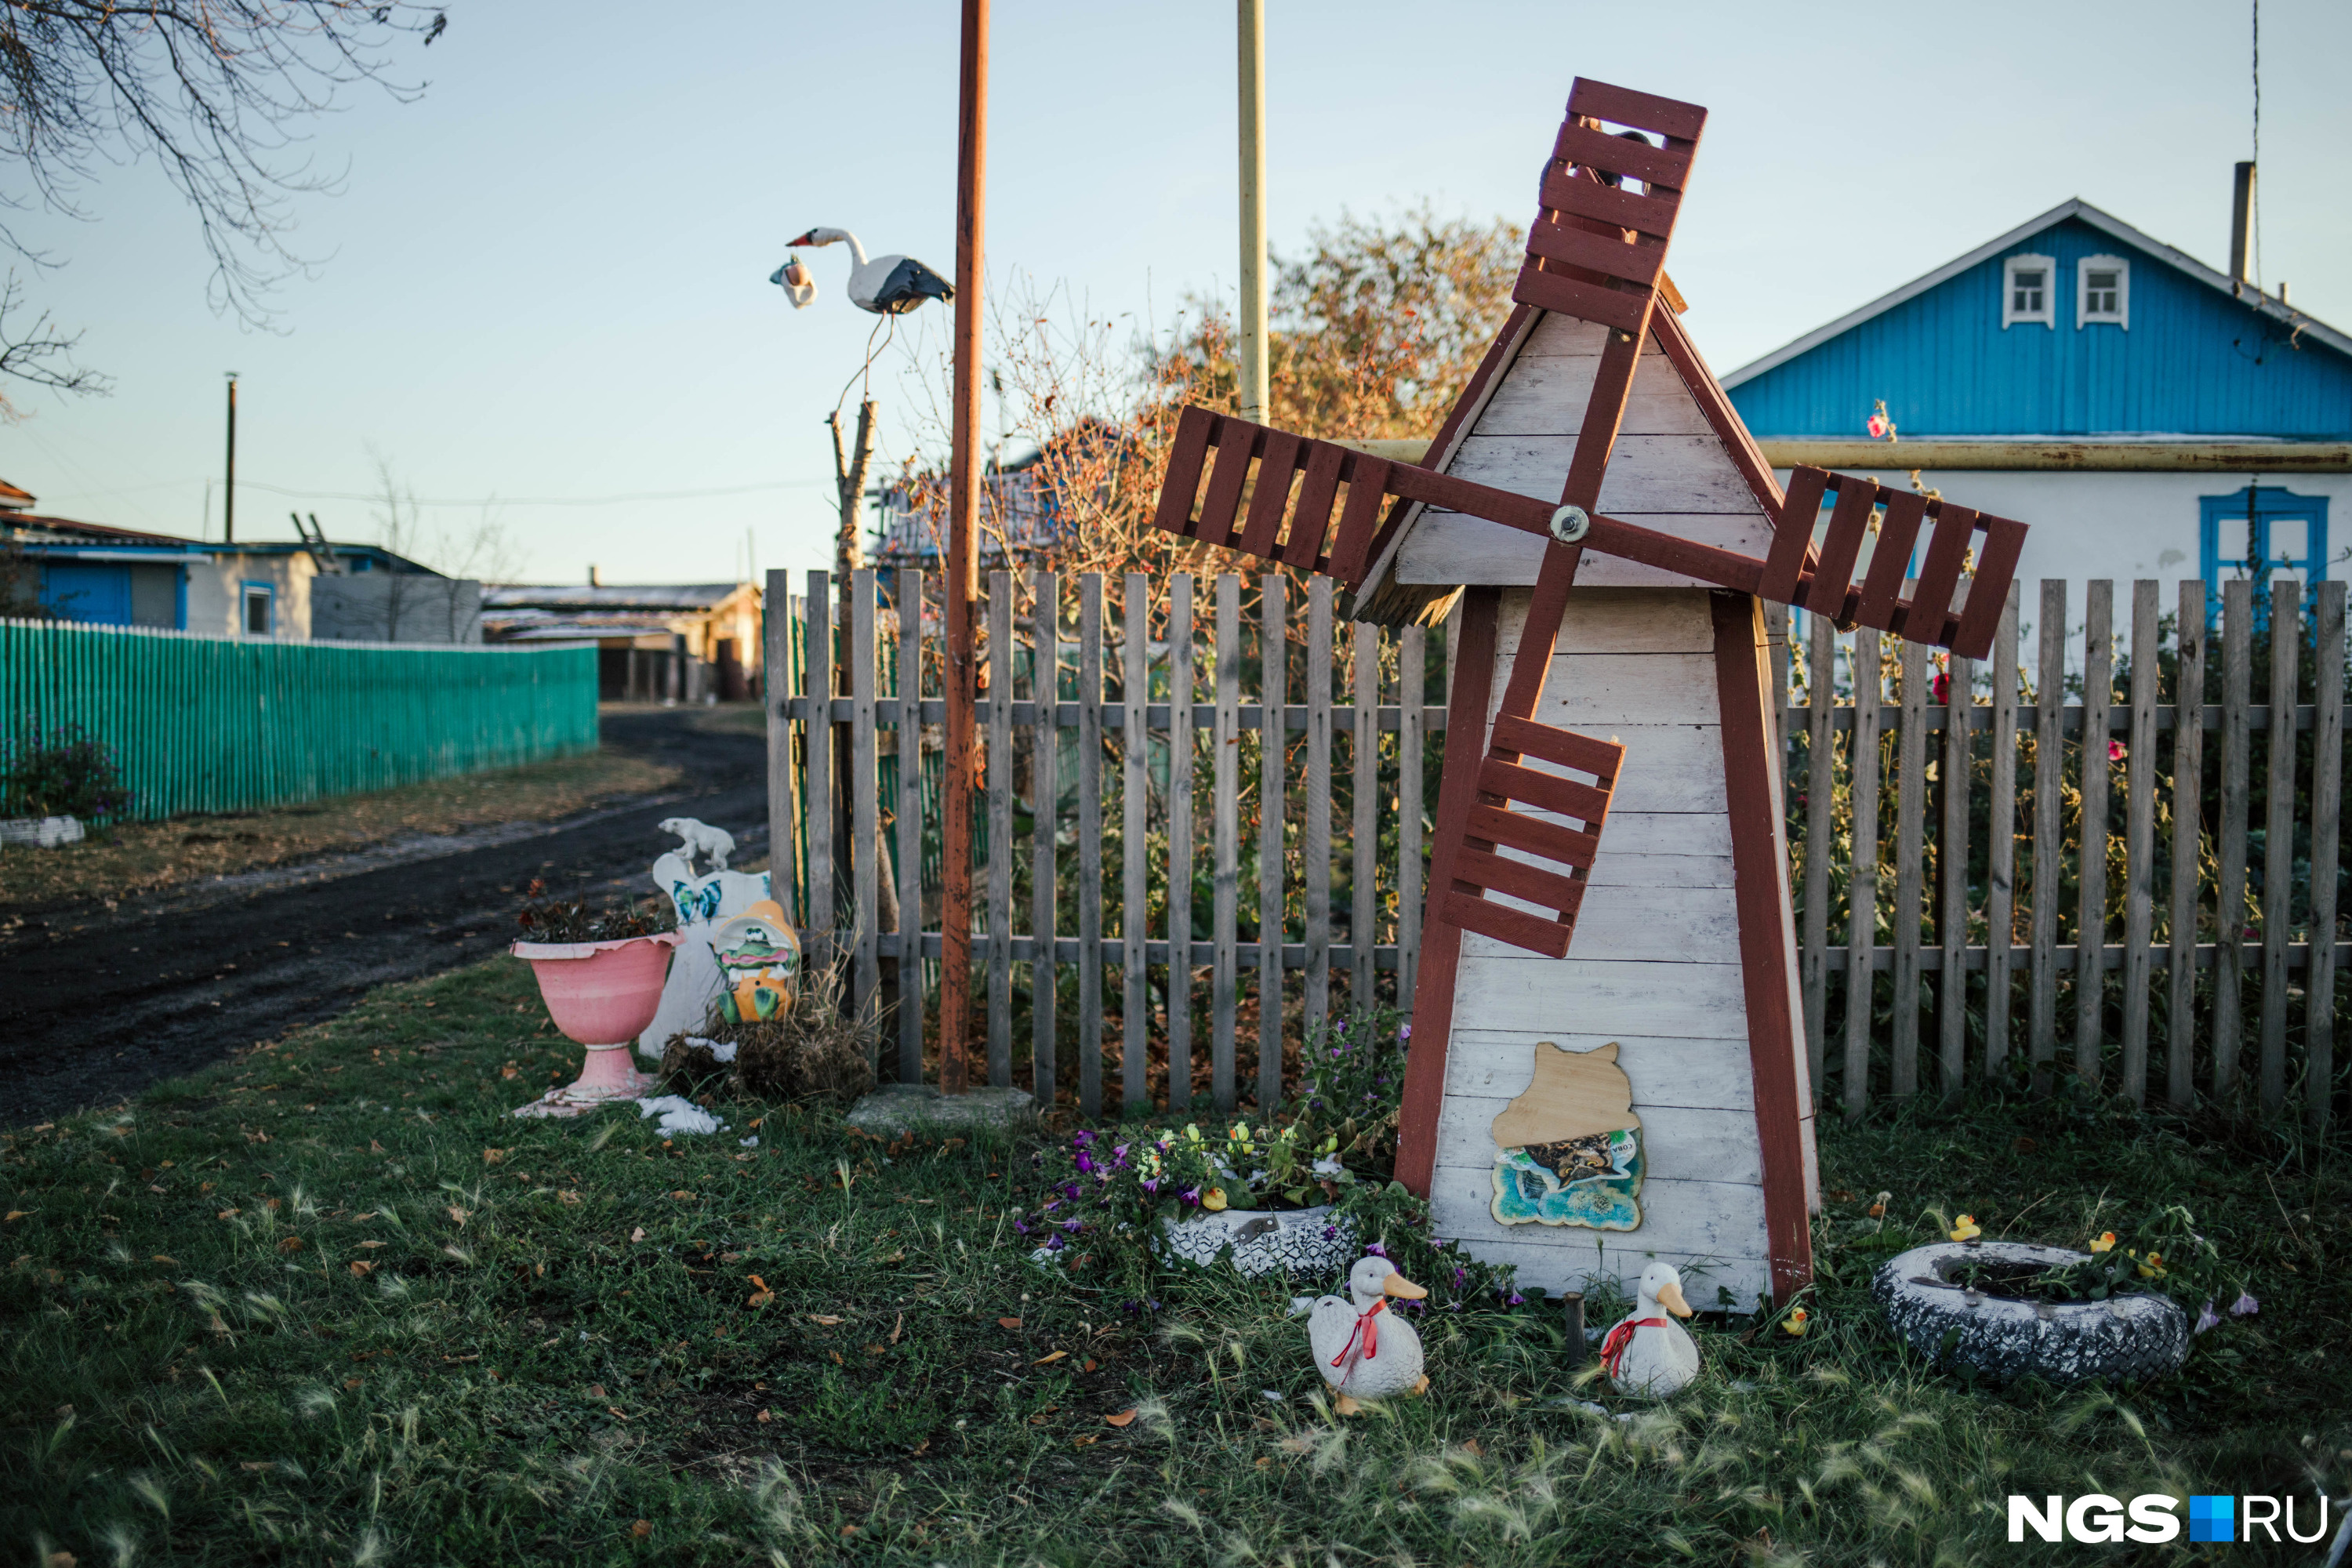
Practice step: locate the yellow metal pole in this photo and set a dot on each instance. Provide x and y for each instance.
(1250, 347)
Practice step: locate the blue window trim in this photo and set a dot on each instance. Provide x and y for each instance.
(245, 591)
(2258, 506)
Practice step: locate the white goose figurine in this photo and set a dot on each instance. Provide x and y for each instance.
(886, 285)
(1649, 1355)
(1363, 1350)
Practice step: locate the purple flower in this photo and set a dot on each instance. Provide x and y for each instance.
(1150, 1183)
(1190, 1196)
(2206, 1319)
(1074, 1225)
(1049, 1206)
(1404, 1032)
(1082, 1138)
(1330, 1233)
(1086, 1165)
(1517, 1301)
(1118, 1158)
(1461, 1277)
(1053, 1244)
(1070, 1190)
(2245, 1306)
(1020, 1227)
(1376, 1251)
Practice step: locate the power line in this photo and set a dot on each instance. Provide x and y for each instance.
(520, 500)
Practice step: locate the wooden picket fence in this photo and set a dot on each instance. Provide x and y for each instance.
(1242, 790)
(2155, 955)
(1224, 786)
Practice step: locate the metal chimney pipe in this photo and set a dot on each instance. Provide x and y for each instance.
(2241, 223)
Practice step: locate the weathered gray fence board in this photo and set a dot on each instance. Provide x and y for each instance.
(2139, 836)
(1315, 808)
(1180, 640)
(865, 786)
(1412, 653)
(2001, 847)
(1044, 802)
(1910, 816)
(1135, 841)
(1090, 898)
(776, 641)
(2327, 826)
(1000, 829)
(1225, 792)
(1952, 876)
(2230, 897)
(1273, 653)
(818, 773)
(1820, 811)
(908, 814)
(1862, 884)
(1363, 826)
(2188, 817)
(2278, 829)
(2091, 872)
(2049, 844)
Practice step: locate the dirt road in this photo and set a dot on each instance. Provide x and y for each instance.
(96, 1004)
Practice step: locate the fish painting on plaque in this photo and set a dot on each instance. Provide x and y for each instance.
(1568, 1150)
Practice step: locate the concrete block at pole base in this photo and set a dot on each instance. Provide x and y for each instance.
(924, 1111)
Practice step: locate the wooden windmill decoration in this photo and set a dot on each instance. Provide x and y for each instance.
(1521, 813)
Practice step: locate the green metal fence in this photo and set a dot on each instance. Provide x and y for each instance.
(204, 723)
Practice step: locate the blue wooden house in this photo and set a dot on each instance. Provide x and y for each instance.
(2150, 415)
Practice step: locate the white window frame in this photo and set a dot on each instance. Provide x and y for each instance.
(2083, 269)
(268, 593)
(2046, 316)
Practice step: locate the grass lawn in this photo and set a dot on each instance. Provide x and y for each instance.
(327, 1303)
(144, 856)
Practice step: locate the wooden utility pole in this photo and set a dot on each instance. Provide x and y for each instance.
(228, 505)
(962, 584)
(1251, 346)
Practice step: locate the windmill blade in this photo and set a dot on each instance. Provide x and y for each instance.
(1280, 498)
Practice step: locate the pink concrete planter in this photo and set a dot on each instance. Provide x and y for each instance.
(603, 995)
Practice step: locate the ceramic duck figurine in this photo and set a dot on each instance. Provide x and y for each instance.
(1361, 1349)
(1647, 1354)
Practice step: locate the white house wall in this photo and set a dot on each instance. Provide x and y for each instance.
(215, 592)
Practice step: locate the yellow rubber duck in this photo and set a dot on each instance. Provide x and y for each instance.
(1966, 1228)
(1796, 1324)
(2105, 1243)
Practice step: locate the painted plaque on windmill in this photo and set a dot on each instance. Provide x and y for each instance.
(1568, 1150)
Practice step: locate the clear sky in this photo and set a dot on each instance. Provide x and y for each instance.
(547, 278)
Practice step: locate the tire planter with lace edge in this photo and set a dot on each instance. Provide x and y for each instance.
(2000, 1339)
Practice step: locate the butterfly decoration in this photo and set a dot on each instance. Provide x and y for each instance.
(696, 906)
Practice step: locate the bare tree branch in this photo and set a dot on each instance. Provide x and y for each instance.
(39, 354)
(212, 89)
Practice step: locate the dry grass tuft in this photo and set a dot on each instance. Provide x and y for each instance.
(814, 1054)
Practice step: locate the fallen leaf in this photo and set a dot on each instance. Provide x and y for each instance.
(361, 1269)
(1008, 1322)
(458, 1214)
(159, 1258)
(291, 1244)
(638, 1234)
(614, 1412)
(476, 1356)
(15, 1214)
(492, 1156)
(228, 1213)
(836, 1357)
(642, 1529)
(877, 1350)
(353, 1382)
(597, 1389)
(682, 1192)
(766, 1416)
(762, 1296)
(1082, 1442)
(1473, 1448)
(371, 1245)
(509, 1070)
(569, 1197)
(1047, 1359)
(896, 1326)
(1091, 1365)
(850, 1530)
(374, 1147)
(828, 1318)
(1121, 1419)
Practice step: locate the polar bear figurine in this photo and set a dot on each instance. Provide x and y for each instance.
(699, 838)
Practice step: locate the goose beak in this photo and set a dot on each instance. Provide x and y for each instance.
(1671, 1298)
(1397, 1285)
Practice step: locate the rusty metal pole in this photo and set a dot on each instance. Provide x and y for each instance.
(962, 578)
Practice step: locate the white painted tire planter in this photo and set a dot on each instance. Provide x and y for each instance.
(40, 832)
(2002, 1339)
(1266, 1241)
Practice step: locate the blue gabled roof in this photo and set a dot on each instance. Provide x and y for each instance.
(2197, 360)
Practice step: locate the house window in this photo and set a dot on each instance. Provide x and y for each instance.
(2027, 288)
(2259, 530)
(2103, 292)
(261, 618)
